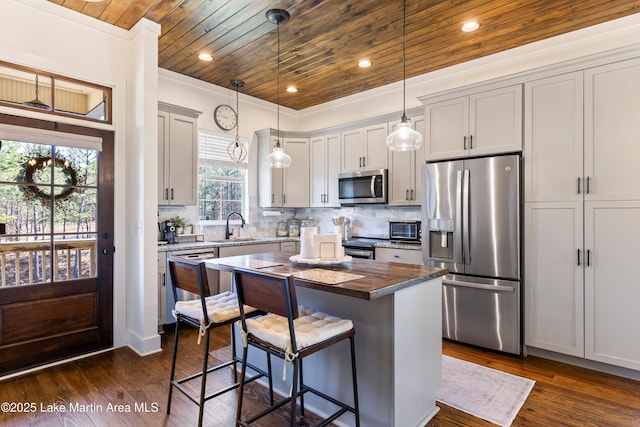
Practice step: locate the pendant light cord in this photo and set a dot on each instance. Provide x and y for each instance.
(237, 85)
(404, 60)
(278, 86)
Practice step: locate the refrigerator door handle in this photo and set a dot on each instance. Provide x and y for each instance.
(465, 217)
(465, 284)
(457, 231)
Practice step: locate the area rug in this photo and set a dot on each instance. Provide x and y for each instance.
(486, 393)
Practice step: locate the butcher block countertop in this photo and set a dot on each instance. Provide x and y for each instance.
(359, 278)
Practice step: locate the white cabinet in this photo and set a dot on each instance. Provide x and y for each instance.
(582, 225)
(405, 170)
(554, 280)
(553, 139)
(177, 155)
(365, 148)
(324, 170)
(406, 256)
(162, 288)
(287, 187)
(482, 123)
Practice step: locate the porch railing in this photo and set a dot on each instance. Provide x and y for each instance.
(30, 262)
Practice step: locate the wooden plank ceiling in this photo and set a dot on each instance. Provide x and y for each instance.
(323, 41)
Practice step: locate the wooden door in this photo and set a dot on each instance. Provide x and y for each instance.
(56, 258)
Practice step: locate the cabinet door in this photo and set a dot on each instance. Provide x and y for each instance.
(495, 121)
(296, 177)
(333, 169)
(405, 169)
(612, 318)
(317, 172)
(183, 160)
(269, 180)
(446, 127)
(553, 285)
(375, 147)
(163, 158)
(351, 150)
(554, 138)
(612, 126)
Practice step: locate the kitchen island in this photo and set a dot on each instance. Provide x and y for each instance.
(396, 310)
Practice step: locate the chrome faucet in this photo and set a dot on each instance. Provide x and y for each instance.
(228, 233)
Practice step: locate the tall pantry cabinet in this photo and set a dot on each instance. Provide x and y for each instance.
(582, 214)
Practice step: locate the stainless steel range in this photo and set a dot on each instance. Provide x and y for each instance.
(361, 247)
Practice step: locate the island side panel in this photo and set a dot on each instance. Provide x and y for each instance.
(330, 370)
(417, 352)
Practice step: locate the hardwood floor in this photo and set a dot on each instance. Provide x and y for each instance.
(119, 388)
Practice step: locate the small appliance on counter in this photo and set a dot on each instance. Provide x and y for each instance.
(405, 232)
(169, 231)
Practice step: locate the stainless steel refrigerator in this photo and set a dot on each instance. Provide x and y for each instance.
(471, 219)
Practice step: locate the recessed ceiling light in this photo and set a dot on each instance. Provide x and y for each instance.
(470, 26)
(205, 57)
(292, 89)
(364, 63)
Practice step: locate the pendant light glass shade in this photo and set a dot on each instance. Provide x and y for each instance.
(278, 158)
(404, 138)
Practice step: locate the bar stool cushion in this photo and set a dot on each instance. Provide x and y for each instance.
(220, 308)
(311, 327)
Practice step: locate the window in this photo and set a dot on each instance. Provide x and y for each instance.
(222, 183)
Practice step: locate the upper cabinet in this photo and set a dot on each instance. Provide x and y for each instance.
(177, 155)
(482, 123)
(324, 170)
(405, 170)
(288, 187)
(365, 148)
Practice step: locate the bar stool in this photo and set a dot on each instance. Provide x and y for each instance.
(290, 333)
(205, 313)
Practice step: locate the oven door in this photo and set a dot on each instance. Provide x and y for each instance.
(359, 253)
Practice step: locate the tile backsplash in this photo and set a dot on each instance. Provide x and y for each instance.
(364, 220)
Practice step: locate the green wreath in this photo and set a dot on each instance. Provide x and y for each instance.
(40, 162)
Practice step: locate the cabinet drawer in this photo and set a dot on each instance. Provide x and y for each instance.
(406, 256)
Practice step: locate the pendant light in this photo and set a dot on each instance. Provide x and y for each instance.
(36, 102)
(236, 150)
(278, 158)
(404, 138)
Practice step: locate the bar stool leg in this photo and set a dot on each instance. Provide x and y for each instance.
(173, 364)
(203, 384)
(270, 378)
(300, 387)
(355, 380)
(233, 353)
(243, 371)
(294, 390)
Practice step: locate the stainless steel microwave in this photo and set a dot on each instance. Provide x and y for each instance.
(405, 231)
(362, 187)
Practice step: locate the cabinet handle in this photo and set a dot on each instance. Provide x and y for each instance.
(588, 257)
(172, 194)
(578, 185)
(464, 142)
(579, 257)
(273, 198)
(360, 161)
(470, 141)
(406, 195)
(166, 194)
(412, 197)
(364, 161)
(164, 280)
(283, 199)
(588, 186)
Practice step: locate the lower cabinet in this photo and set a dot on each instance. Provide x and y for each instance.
(162, 288)
(581, 287)
(407, 256)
